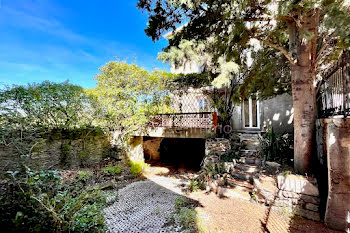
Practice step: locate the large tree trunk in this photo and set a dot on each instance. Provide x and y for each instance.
(303, 75)
(304, 115)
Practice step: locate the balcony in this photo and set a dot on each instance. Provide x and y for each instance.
(183, 125)
(204, 120)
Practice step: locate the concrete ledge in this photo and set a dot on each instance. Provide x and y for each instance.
(297, 184)
(336, 141)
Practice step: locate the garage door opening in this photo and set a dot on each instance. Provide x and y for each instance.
(179, 153)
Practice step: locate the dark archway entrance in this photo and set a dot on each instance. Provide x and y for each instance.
(185, 153)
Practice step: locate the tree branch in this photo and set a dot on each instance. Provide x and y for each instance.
(324, 47)
(280, 48)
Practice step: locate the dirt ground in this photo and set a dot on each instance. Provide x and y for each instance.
(215, 214)
(236, 215)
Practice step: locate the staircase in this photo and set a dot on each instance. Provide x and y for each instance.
(247, 167)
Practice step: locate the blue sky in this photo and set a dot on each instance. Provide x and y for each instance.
(59, 40)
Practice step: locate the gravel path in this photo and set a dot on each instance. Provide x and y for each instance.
(144, 206)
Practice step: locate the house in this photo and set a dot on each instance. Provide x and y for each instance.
(252, 115)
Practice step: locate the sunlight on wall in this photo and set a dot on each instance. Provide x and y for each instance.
(276, 116)
(332, 139)
(290, 121)
(348, 221)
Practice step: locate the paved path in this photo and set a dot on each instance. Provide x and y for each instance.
(144, 206)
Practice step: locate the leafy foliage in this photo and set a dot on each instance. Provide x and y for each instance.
(45, 105)
(308, 34)
(39, 201)
(126, 95)
(196, 184)
(29, 113)
(112, 170)
(276, 147)
(137, 167)
(185, 215)
(85, 175)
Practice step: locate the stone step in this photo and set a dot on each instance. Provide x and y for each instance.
(239, 175)
(248, 145)
(250, 140)
(251, 169)
(250, 160)
(249, 135)
(235, 183)
(248, 153)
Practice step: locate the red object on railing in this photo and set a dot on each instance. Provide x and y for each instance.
(215, 119)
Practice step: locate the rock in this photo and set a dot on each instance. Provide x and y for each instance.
(312, 207)
(297, 184)
(107, 186)
(229, 166)
(221, 181)
(210, 159)
(217, 146)
(310, 199)
(288, 194)
(266, 187)
(315, 216)
(273, 164)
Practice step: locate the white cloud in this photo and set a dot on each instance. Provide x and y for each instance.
(21, 19)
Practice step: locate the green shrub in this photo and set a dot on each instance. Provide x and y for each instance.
(185, 215)
(188, 218)
(85, 175)
(65, 156)
(181, 202)
(276, 147)
(195, 185)
(38, 201)
(137, 167)
(112, 170)
(213, 168)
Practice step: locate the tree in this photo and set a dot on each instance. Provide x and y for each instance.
(43, 105)
(268, 74)
(29, 112)
(127, 96)
(308, 33)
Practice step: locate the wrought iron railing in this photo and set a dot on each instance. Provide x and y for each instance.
(333, 97)
(185, 120)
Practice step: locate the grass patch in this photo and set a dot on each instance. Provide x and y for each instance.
(112, 170)
(137, 167)
(85, 175)
(186, 216)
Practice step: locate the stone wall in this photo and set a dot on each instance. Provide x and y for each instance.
(335, 151)
(134, 150)
(60, 150)
(296, 194)
(151, 148)
(300, 194)
(214, 148)
(217, 146)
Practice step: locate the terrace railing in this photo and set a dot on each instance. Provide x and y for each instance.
(333, 97)
(203, 120)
